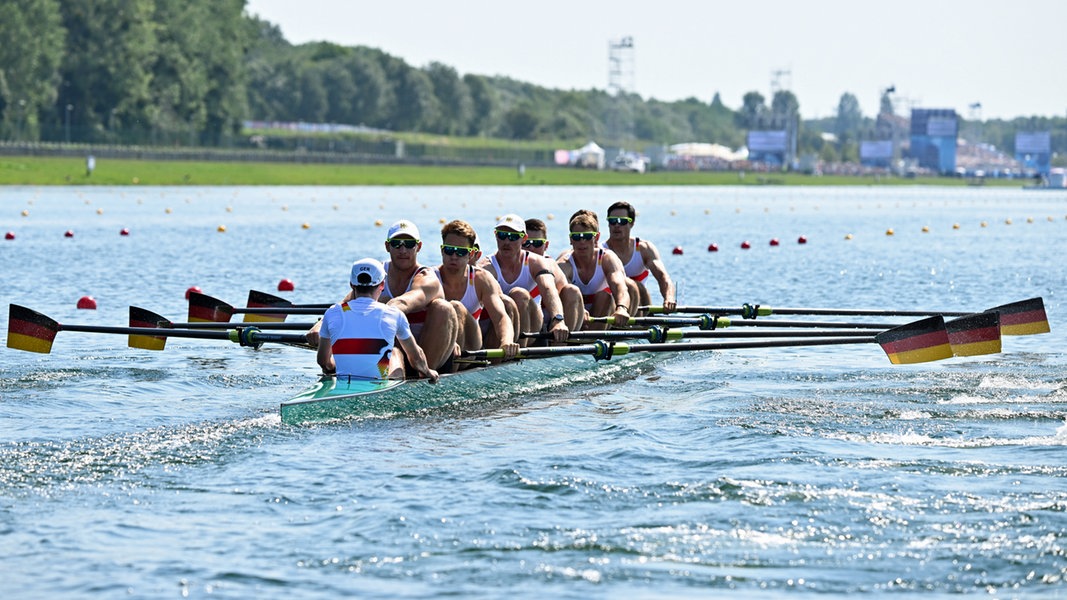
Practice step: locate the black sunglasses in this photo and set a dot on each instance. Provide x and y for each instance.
(460, 251)
(405, 242)
(509, 235)
(619, 220)
(583, 235)
(534, 243)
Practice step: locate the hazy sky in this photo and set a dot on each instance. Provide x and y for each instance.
(1011, 57)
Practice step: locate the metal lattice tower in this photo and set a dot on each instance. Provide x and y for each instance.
(621, 65)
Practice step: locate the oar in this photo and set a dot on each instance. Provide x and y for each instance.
(970, 335)
(712, 322)
(657, 334)
(204, 308)
(32, 331)
(1024, 317)
(921, 341)
(143, 318)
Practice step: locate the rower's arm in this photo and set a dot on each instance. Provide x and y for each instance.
(615, 275)
(489, 294)
(655, 266)
(325, 356)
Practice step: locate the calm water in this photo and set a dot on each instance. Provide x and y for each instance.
(771, 472)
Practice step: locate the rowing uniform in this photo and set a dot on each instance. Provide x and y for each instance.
(597, 283)
(417, 318)
(470, 299)
(361, 334)
(525, 279)
(635, 267)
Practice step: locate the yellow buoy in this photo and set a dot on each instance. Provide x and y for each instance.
(25, 213)
(1029, 219)
(99, 211)
(306, 226)
(955, 225)
(984, 224)
(926, 229)
(1007, 221)
(221, 229)
(377, 222)
(848, 236)
(166, 210)
(889, 231)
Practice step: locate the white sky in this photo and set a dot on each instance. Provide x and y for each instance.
(1011, 57)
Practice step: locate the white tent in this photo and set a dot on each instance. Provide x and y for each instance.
(712, 150)
(590, 156)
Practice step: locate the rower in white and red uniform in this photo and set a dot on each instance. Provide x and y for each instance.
(640, 257)
(597, 272)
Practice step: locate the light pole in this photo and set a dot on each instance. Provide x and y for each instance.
(70, 107)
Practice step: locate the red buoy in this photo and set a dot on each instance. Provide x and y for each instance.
(802, 240)
(193, 289)
(124, 231)
(713, 247)
(286, 285)
(87, 303)
(745, 245)
(677, 250)
(774, 241)
(9, 235)
(69, 233)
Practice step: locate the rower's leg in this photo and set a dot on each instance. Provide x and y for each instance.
(573, 307)
(603, 306)
(438, 336)
(468, 334)
(529, 312)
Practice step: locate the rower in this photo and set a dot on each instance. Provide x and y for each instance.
(528, 279)
(413, 289)
(569, 296)
(597, 273)
(639, 257)
(485, 318)
(357, 336)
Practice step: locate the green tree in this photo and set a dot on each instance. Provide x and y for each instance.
(849, 119)
(521, 122)
(483, 105)
(453, 98)
(30, 55)
(752, 112)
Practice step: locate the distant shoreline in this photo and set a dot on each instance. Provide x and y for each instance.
(48, 171)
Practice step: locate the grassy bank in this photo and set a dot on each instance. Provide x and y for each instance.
(18, 170)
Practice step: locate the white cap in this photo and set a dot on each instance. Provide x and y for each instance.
(367, 272)
(513, 222)
(403, 227)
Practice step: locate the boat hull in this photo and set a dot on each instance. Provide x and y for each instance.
(340, 398)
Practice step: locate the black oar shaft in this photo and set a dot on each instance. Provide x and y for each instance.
(253, 336)
(841, 312)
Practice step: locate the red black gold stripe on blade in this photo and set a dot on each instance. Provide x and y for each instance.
(1025, 317)
(29, 330)
(920, 341)
(265, 300)
(140, 317)
(975, 334)
(205, 309)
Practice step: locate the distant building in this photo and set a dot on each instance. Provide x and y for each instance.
(933, 138)
(1033, 149)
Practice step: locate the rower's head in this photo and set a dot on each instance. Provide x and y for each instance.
(620, 219)
(509, 233)
(367, 277)
(584, 231)
(403, 240)
(457, 243)
(536, 237)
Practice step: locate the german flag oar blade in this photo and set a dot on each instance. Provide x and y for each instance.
(1025, 317)
(204, 308)
(921, 341)
(29, 330)
(258, 299)
(140, 317)
(975, 334)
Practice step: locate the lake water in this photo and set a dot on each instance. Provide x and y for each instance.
(763, 472)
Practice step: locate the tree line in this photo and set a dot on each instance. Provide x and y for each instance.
(190, 72)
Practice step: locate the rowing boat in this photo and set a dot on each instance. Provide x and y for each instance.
(333, 398)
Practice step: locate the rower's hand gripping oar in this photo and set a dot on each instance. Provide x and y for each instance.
(32, 331)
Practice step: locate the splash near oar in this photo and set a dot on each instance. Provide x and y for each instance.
(1026, 317)
(29, 330)
(975, 334)
(922, 341)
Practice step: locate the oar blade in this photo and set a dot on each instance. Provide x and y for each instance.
(1025, 317)
(140, 317)
(974, 335)
(257, 299)
(204, 309)
(29, 330)
(920, 341)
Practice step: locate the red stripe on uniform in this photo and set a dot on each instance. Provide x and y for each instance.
(359, 346)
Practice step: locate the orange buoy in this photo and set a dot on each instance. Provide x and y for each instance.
(677, 250)
(286, 285)
(69, 233)
(9, 235)
(87, 303)
(745, 245)
(774, 241)
(124, 231)
(713, 247)
(802, 240)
